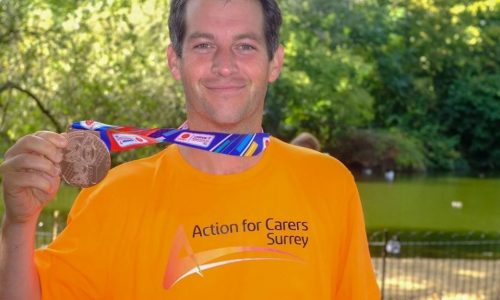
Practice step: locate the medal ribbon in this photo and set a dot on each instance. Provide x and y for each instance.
(123, 138)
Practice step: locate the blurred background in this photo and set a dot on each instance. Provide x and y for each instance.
(406, 93)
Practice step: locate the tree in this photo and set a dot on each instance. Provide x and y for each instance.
(103, 61)
(321, 87)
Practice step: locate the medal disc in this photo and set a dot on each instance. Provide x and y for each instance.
(86, 159)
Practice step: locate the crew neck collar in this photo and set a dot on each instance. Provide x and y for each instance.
(182, 164)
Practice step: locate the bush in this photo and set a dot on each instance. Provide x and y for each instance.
(380, 149)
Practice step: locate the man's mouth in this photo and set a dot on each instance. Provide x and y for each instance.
(225, 88)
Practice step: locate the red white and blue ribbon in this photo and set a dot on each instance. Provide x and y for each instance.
(122, 138)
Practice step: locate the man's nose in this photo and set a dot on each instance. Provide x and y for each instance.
(224, 62)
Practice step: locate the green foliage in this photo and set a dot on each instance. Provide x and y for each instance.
(419, 66)
(321, 89)
(380, 149)
(432, 48)
(471, 112)
(419, 74)
(100, 60)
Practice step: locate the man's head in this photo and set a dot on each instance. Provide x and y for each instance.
(307, 140)
(224, 64)
(272, 24)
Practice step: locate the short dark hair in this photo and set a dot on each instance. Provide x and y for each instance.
(307, 140)
(272, 24)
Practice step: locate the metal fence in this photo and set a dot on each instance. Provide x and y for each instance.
(436, 265)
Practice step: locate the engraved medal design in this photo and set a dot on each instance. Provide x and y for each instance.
(86, 159)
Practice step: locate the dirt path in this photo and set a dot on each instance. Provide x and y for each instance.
(449, 279)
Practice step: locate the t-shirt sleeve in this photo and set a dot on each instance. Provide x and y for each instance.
(73, 266)
(358, 278)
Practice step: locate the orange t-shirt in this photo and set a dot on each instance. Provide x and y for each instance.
(291, 227)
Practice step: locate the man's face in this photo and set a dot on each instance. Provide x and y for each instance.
(224, 66)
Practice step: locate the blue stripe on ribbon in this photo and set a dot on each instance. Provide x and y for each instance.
(169, 132)
(221, 147)
(243, 144)
(105, 139)
(235, 142)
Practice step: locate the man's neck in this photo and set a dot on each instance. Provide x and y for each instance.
(219, 164)
(201, 124)
(215, 163)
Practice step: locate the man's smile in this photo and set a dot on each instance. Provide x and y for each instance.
(229, 88)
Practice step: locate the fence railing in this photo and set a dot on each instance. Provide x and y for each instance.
(436, 265)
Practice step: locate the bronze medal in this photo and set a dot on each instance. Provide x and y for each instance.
(86, 159)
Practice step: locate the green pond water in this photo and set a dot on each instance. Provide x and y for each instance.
(441, 203)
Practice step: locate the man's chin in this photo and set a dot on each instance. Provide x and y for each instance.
(229, 124)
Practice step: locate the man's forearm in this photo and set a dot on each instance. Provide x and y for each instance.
(18, 274)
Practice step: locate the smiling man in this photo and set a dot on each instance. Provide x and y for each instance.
(186, 223)
(224, 65)
(220, 52)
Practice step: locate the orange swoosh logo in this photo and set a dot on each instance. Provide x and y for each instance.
(180, 267)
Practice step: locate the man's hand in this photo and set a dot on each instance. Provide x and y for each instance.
(31, 174)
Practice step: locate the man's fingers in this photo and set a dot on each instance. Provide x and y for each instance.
(48, 144)
(30, 161)
(46, 195)
(22, 180)
(58, 139)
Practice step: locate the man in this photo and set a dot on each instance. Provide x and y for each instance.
(190, 224)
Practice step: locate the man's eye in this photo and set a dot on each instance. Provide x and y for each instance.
(246, 47)
(202, 46)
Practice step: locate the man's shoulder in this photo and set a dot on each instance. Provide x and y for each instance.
(307, 159)
(312, 171)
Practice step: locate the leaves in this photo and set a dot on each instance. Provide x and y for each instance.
(422, 74)
(104, 61)
(424, 67)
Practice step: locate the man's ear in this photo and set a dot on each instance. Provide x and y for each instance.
(173, 62)
(276, 64)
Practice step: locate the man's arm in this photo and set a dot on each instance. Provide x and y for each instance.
(30, 180)
(18, 275)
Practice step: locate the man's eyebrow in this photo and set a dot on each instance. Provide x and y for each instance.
(204, 35)
(251, 36)
(197, 35)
